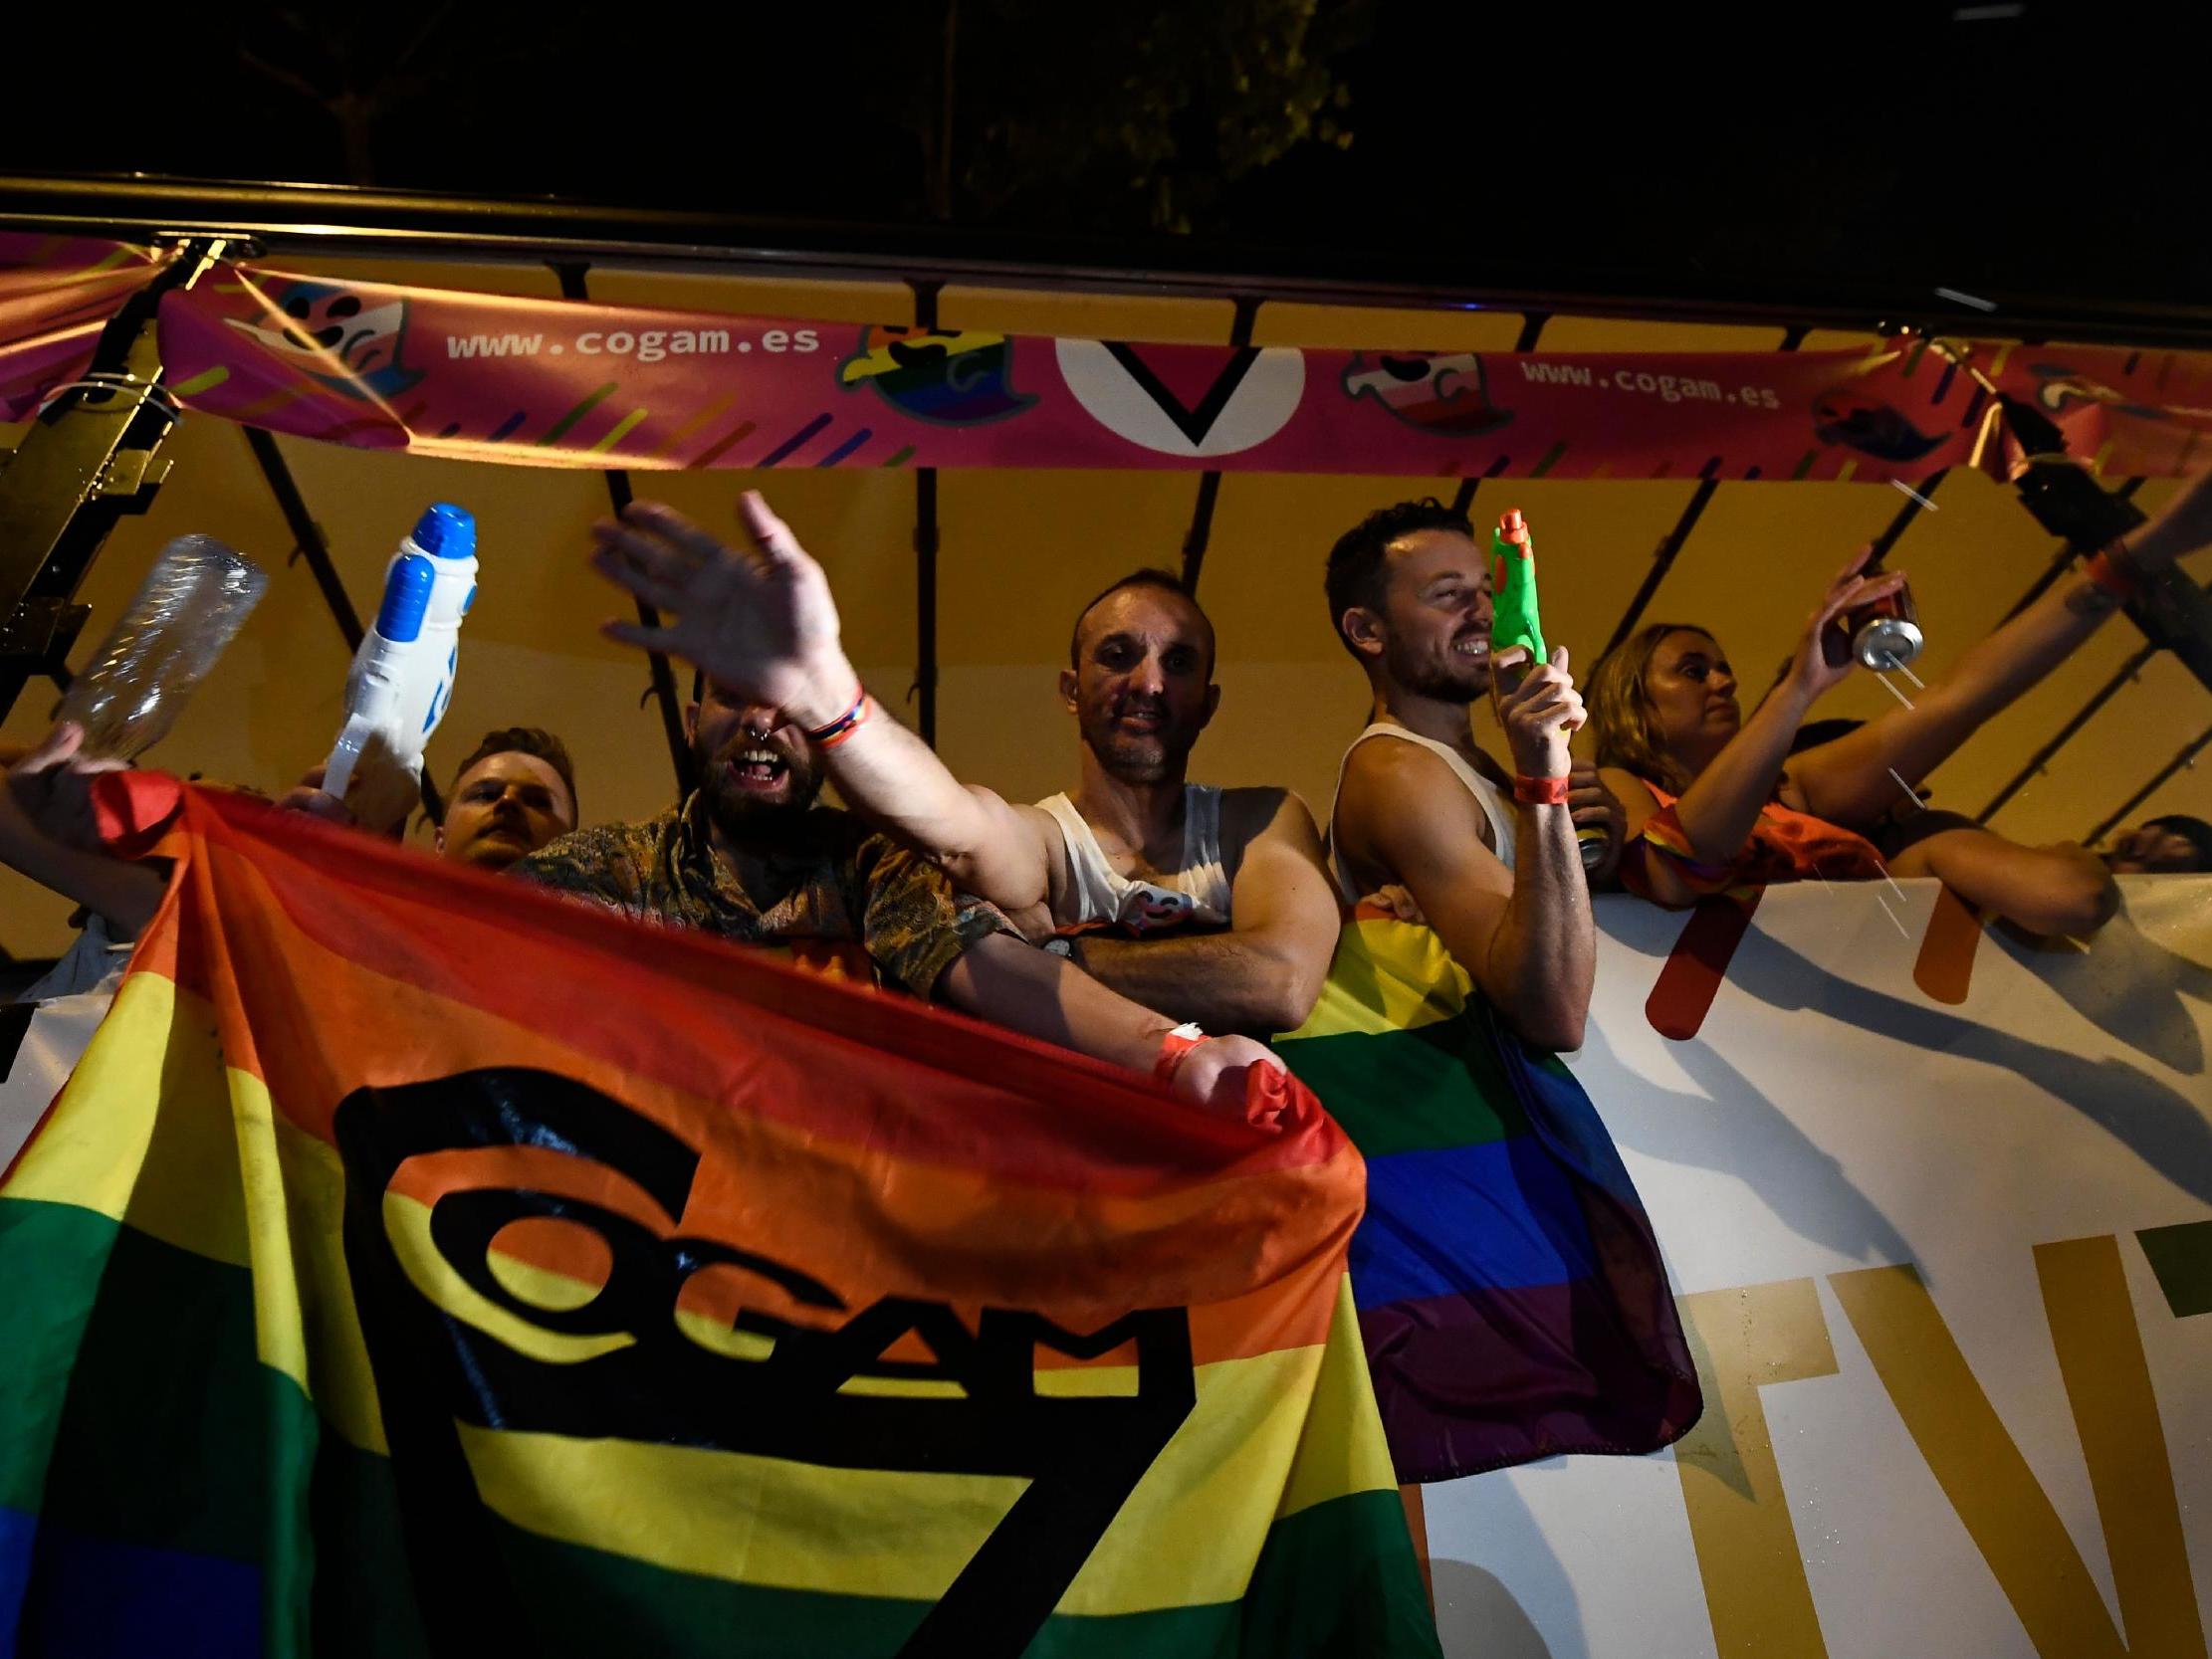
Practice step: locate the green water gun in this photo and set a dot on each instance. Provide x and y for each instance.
(1514, 619)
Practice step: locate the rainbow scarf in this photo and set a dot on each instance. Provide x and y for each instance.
(1512, 1295)
(421, 1264)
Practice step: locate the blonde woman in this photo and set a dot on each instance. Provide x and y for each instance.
(1717, 803)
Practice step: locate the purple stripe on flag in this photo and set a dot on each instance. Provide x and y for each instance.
(1473, 1382)
(98, 1599)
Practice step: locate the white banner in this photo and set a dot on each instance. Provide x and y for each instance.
(1939, 1210)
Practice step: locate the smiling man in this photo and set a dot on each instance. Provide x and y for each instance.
(1203, 904)
(1489, 858)
(751, 856)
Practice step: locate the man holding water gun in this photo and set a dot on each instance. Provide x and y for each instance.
(1492, 859)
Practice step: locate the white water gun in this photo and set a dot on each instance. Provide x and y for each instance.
(403, 675)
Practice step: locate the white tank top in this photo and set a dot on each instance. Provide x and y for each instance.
(1199, 889)
(1487, 797)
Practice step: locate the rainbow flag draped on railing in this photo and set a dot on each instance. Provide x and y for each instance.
(1512, 1295)
(421, 1264)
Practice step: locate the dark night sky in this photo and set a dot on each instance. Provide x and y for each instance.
(2056, 152)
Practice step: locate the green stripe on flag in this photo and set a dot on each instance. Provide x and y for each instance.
(1433, 1086)
(132, 1409)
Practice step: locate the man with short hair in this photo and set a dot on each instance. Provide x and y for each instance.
(515, 792)
(1203, 904)
(751, 856)
(1489, 858)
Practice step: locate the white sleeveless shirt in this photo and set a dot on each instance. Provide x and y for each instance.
(1487, 795)
(1196, 892)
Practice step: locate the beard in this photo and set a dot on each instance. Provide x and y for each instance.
(1448, 678)
(740, 814)
(1136, 756)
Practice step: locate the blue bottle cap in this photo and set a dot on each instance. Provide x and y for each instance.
(446, 532)
(406, 598)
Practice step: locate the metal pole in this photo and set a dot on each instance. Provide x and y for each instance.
(2041, 756)
(1532, 328)
(574, 285)
(926, 544)
(306, 535)
(89, 457)
(2065, 556)
(1671, 544)
(320, 220)
(1887, 539)
(2189, 752)
(1209, 482)
(1662, 560)
(308, 542)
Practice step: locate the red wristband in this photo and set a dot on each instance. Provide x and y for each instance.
(1173, 1047)
(2111, 574)
(1542, 791)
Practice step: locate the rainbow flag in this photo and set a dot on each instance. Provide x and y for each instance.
(1512, 1295)
(421, 1264)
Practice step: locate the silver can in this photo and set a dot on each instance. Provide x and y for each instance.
(1887, 642)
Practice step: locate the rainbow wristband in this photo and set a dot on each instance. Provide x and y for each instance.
(844, 726)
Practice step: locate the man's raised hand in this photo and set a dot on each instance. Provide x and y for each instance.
(759, 623)
(51, 787)
(1539, 711)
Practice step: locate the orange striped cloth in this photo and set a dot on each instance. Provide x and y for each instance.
(1785, 845)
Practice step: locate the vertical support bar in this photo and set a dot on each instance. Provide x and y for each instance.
(1886, 542)
(573, 287)
(2189, 752)
(309, 543)
(1671, 545)
(306, 535)
(1532, 328)
(926, 544)
(1662, 560)
(89, 457)
(2041, 756)
(2064, 557)
(1209, 482)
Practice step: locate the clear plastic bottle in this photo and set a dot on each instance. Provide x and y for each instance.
(189, 608)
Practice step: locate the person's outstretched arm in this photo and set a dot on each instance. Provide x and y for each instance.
(1848, 782)
(762, 623)
(2060, 889)
(1264, 973)
(1002, 980)
(47, 833)
(1721, 805)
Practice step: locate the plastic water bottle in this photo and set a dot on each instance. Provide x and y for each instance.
(189, 608)
(401, 682)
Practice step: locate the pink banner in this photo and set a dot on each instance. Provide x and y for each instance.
(56, 294)
(543, 382)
